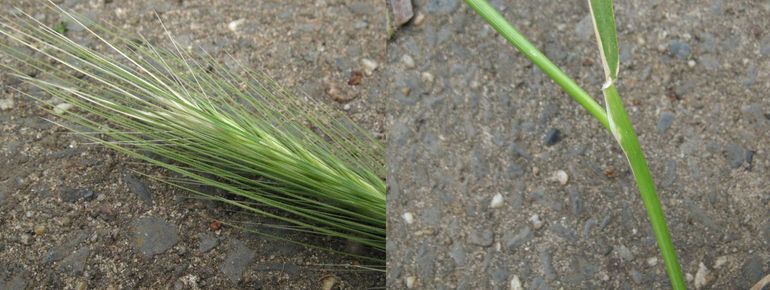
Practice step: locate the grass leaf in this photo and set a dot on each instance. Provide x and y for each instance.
(603, 16)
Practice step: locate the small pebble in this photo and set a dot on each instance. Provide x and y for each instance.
(497, 201)
(516, 283)
(427, 77)
(408, 218)
(664, 122)
(410, 281)
(691, 63)
(369, 66)
(408, 61)
(552, 137)
(6, 104)
(66, 221)
(624, 253)
(327, 282)
(233, 25)
(536, 222)
(721, 260)
(402, 11)
(419, 19)
(25, 239)
(39, 230)
(688, 277)
(679, 49)
(703, 277)
(561, 176)
(82, 285)
(61, 108)
(652, 261)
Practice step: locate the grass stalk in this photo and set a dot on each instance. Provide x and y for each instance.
(507, 31)
(614, 118)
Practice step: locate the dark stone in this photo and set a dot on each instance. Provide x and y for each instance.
(361, 8)
(73, 195)
(425, 258)
(513, 240)
(538, 283)
(482, 237)
(58, 253)
(17, 282)
(76, 262)
(457, 253)
(552, 137)
(564, 232)
(751, 272)
(737, 155)
(764, 48)
(277, 267)
(237, 260)
(679, 49)
(664, 122)
(546, 261)
(402, 11)
(442, 6)
(587, 227)
(500, 274)
(206, 242)
(576, 201)
(152, 236)
(138, 187)
(431, 216)
(709, 61)
(669, 175)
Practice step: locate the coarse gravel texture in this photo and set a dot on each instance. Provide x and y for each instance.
(77, 216)
(471, 118)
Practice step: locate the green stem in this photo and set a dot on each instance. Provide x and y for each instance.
(620, 126)
(623, 131)
(513, 36)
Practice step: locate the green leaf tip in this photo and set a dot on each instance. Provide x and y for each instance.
(603, 17)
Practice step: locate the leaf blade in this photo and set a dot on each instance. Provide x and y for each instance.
(603, 17)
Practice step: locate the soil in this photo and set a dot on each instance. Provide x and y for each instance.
(477, 134)
(75, 215)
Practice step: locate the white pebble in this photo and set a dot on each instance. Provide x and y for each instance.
(410, 281)
(408, 61)
(61, 108)
(497, 201)
(688, 277)
(702, 276)
(536, 222)
(652, 261)
(427, 77)
(6, 104)
(369, 66)
(516, 283)
(408, 217)
(561, 176)
(233, 25)
(419, 19)
(721, 260)
(691, 63)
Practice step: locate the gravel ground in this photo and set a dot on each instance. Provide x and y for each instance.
(498, 180)
(77, 216)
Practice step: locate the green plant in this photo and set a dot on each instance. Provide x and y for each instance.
(614, 118)
(277, 154)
